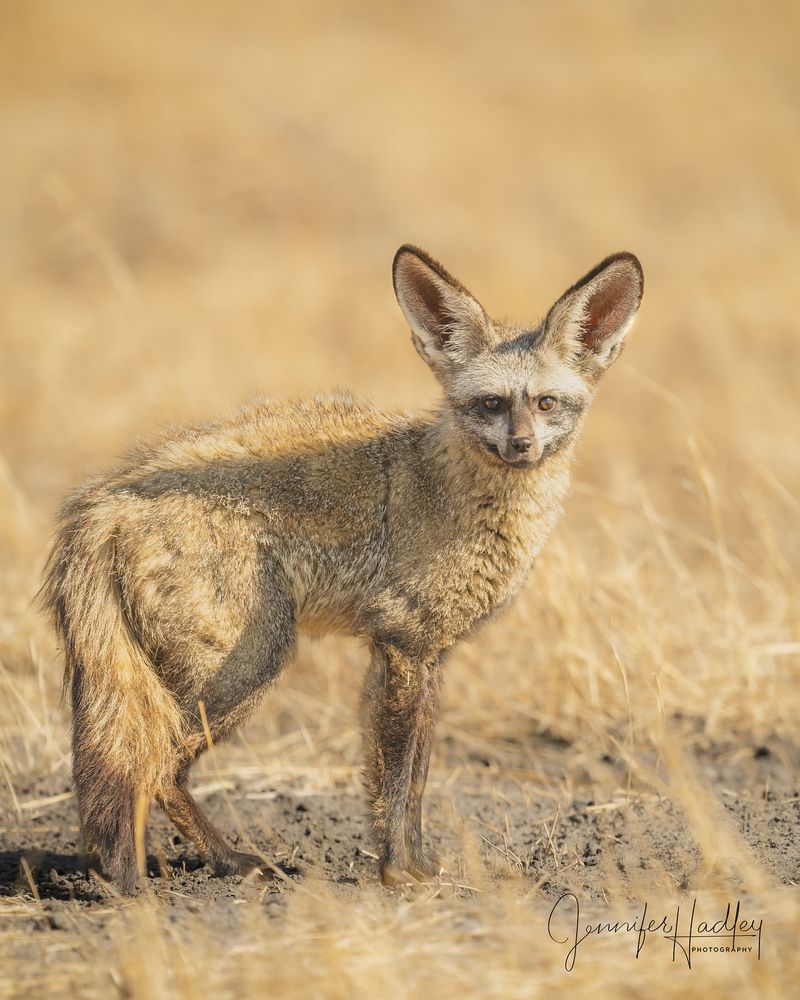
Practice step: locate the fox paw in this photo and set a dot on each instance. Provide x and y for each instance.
(421, 869)
(241, 863)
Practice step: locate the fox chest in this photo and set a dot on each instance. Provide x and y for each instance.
(475, 579)
(451, 588)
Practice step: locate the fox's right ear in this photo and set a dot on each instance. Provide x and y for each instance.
(449, 326)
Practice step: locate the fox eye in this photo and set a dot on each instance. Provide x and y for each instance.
(492, 402)
(547, 403)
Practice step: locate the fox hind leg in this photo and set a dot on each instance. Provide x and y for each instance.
(183, 811)
(109, 806)
(228, 697)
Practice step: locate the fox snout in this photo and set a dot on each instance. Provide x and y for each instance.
(518, 443)
(522, 450)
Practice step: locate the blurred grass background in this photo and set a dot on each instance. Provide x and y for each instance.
(199, 202)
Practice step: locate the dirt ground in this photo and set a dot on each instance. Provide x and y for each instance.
(545, 814)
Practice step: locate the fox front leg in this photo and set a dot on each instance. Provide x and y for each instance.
(399, 707)
(423, 864)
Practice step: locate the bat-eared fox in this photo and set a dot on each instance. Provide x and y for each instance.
(179, 581)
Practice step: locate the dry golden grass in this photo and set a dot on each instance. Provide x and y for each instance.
(200, 203)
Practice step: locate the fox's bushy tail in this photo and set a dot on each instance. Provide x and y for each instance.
(127, 726)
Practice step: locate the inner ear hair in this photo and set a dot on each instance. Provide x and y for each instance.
(448, 324)
(420, 284)
(613, 298)
(592, 317)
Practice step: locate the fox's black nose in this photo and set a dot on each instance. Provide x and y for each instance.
(521, 444)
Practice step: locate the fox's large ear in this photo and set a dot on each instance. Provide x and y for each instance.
(589, 322)
(448, 325)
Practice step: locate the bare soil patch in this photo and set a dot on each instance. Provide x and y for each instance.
(546, 815)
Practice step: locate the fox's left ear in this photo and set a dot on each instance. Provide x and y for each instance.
(589, 322)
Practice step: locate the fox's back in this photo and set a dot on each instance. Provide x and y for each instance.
(298, 489)
(283, 461)
(266, 432)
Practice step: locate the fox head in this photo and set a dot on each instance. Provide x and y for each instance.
(517, 395)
